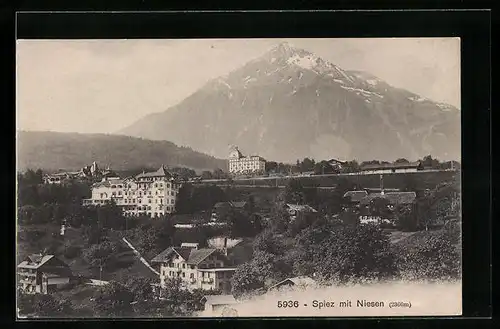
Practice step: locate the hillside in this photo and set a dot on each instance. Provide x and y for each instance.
(290, 104)
(71, 151)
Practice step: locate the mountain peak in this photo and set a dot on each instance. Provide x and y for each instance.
(285, 50)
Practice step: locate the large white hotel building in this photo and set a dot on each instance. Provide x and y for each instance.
(239, 164)
(153, 193)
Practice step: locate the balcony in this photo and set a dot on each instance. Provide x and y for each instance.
(27, 281)
(21, 273)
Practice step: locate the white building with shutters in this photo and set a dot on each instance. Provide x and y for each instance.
(240, 164)
(153, 193)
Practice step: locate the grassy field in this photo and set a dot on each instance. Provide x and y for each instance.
(36, 238)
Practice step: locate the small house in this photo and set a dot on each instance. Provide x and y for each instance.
(198, 268)
(299, 281)
(43, 274)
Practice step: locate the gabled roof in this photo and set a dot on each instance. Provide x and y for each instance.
(355, 196)
(161, 172)
(190, 255)
(219, 299)
(297, 281)
(302, 208)
(197, 256)
(392, 197)
(35, 261)
(336, 161)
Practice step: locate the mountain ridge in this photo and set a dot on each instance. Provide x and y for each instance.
(289, 104)
(50, 150)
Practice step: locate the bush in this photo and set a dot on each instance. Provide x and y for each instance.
(341, 253)
(429, 256)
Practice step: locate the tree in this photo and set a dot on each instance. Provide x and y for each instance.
(401, 160)
(219, 174)
(350, 167)
(110, 216)
(405, 217)
(380, 207)
(341, 253)
(99, 254)
(178, 300)
(156, 237)
(25, 303)
(429, 162)
(94, 235)
(114, 300)
(307, 165)
(141, 288)
(271, 166)
(433, 256)
(183, 203)
(264, 270)
(302, 221)
(349, 217)
(239, 224)
(294, 192)
(268, 242)
(48, 306)
(280, 218)
(206, 174)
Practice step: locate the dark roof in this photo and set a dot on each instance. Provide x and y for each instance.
(296, 281)
(162, 172)
(190, 255)
(355, 196)
(199, 255)
(390, 166)
(392, 197)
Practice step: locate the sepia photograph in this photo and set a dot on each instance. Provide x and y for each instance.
(207, 178)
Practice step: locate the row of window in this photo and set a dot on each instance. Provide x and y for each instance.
(157, 185)
(191, 275)
(245, 165)
(151, 179)
(185, 266)
(103, 195)
(154, 214)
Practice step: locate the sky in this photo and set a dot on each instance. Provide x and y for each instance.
(101, 86)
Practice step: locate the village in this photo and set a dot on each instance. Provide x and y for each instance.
(209, 238)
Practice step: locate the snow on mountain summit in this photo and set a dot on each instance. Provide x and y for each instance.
(324, 107)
